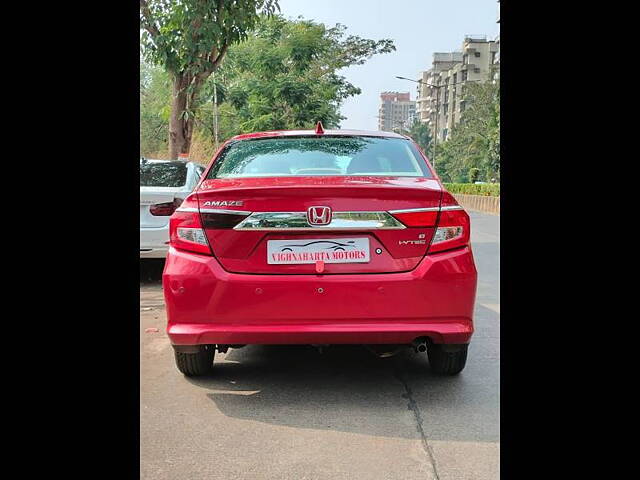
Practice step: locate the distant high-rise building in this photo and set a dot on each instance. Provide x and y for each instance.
(426, 99)
(440, 101)
(496, 60)
(396, 111)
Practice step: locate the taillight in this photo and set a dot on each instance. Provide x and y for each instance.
(165, 209)
(185, 229)
(453, 229)
(418, 217)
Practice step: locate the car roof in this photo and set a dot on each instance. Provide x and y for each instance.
(310, 133)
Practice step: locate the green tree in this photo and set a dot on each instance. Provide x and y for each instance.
(448, 166)
(189, 39)
(285, 75)
(155, 108)
(475, 141)
(421, 134)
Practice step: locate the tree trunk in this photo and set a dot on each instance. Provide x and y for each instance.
(180, 128)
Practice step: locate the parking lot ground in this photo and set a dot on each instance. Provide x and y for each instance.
(291, 412)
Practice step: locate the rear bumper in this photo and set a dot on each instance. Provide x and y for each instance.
(208, 305)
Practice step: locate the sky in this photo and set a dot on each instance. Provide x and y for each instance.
(418, 28)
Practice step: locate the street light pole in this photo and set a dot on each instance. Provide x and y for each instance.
(435, 136)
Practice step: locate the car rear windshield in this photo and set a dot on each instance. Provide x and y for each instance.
(302, 156)
(163, 174)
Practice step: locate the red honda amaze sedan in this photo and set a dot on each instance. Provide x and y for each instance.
(319, 237)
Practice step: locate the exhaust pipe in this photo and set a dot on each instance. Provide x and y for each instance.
(420, 345)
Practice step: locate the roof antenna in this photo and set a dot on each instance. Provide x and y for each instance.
(319, 129)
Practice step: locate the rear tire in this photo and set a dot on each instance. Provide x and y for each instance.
(196, 364)
(447, 359)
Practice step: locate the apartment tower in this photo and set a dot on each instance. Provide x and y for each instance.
(396, 111)
(440, 95)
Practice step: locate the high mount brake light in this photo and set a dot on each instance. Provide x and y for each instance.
(185, 228)
(417, 218)
(165, 209)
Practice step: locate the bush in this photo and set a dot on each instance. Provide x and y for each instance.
(487, 190)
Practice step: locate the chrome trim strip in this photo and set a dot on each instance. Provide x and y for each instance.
(430, 209)
(278, 221)
(411, 210)
(316, 229)
(212, 210)
(230, 212)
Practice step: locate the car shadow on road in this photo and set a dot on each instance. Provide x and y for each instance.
(346, 388)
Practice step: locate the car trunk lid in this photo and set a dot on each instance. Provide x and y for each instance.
(269, 231)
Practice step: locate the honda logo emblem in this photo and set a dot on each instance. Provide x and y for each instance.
(319, 215)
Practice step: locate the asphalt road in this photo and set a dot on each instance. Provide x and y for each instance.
(290, 412)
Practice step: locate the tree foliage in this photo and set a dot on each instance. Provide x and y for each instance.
(285, 75)
(189, 39)
(155, 109)
(473, 148)
(421, 134)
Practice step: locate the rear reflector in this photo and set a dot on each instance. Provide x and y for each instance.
(417, 218)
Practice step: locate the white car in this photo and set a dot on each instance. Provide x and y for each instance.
(164, 184)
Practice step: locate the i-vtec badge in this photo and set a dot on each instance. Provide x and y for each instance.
(420, 241)
(223, 203)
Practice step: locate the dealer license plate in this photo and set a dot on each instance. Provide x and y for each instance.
(335, 250)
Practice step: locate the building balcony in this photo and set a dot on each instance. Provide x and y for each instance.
(474, 38)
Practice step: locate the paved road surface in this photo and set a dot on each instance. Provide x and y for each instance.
(289, 412)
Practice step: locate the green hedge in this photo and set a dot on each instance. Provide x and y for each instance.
(487, 190)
